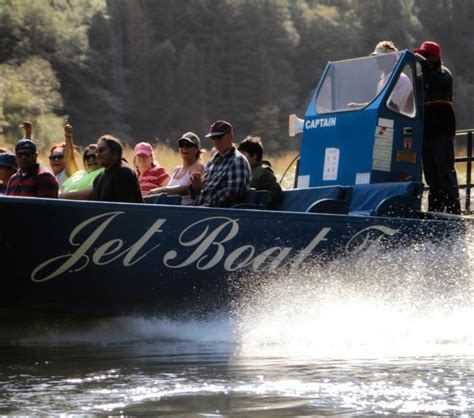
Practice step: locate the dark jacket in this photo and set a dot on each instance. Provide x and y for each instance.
(439, 115)
(118, 183)
(263, 178)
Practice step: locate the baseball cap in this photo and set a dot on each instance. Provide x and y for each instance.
(7, 159)
(429, 47)
(219, 128)
(143, 148)
(25, 144)
(192, 138)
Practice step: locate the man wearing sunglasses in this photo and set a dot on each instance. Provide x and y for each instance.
(439, 131)
(227, 174)
(31, 179)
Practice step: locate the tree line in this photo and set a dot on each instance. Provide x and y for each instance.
(153, 69)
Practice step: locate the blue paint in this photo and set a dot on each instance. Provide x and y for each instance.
(331, 123)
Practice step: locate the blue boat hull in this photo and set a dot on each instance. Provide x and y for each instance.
(96, 258)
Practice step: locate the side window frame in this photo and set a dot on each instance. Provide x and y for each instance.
(409, 109)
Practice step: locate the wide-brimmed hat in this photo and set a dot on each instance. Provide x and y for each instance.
(219, 128)
(192, 138)
(429, 47)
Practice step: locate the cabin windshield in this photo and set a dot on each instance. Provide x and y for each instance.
(353, 84)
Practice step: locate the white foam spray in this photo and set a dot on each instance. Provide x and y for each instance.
(413, 301)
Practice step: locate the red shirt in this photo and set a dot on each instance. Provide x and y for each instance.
(37, 182)
(152, 178)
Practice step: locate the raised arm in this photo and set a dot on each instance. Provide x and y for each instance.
(28, 128)
(69, 158)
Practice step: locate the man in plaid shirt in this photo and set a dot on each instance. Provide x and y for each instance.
(227, 174)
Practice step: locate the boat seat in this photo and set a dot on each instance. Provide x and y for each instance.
(163, 199)
(254, 199)
(325, 199)
(335, 206)
(400, 199)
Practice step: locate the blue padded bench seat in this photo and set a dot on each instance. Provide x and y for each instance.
(325, 199)
(254, 199)
(163, 199)
(402, 199)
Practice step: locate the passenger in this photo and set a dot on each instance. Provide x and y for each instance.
(399, 98)
(80, 180)
(151, 174)
(31, 179)
(57, 163)
(190, 151)
(263, 177)
(439, 131)
(118, 183)
(8, 167)
(404, 88)
(227, 174)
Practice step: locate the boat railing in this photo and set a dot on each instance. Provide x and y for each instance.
(463, 141)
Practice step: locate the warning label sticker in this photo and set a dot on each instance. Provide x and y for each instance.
(382, 155)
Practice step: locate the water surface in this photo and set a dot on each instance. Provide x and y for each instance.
(389, 333)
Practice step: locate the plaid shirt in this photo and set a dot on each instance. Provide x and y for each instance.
(226, 179)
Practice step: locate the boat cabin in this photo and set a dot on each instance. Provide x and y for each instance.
(363, 124)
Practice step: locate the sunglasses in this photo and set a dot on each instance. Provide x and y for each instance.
(185, 144)
(88, 157)
(56, 157)
(25, 154)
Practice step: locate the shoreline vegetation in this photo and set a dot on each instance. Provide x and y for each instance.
(145, 70)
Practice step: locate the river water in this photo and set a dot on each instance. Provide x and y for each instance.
(389, 333)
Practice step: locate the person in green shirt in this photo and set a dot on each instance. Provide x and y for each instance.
(79, 184)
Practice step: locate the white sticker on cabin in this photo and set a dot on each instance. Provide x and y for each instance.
(382, 154)
(388, 123)
(303, 181)
(331, 164)
(362, 178)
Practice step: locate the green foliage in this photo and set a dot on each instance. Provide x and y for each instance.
(267, 126)
(31, 91)
(153, 69)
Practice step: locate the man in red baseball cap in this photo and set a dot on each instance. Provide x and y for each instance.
(439, 131)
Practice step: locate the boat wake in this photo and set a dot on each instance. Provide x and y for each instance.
(413, 301)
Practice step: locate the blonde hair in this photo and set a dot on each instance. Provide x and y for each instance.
(384, 47)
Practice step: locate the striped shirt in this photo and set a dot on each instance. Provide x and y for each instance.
(226, 179)
(37, 182)
(152, 178)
